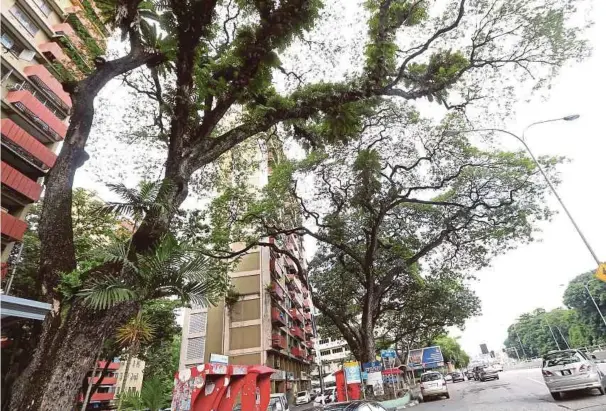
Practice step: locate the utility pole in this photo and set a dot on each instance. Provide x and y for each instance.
(562, 335)
(597, 307)
(520, 341)
(553, 334)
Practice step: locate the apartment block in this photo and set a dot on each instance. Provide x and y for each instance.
(106, 395)
(268, 320)
(332, 353)
(44, 43)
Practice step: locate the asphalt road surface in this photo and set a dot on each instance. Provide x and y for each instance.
(517, 390)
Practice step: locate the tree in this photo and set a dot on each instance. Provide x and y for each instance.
(452, 351)
(395, 213)
(221, 92)
(91, 231)
(576, 297)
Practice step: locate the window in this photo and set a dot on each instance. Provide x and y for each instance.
(44, 7)
(324, 341)
(10, 43)
(25, 20)
(337, 350)
(325, 352)
(195, 348)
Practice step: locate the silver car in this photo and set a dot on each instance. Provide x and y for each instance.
(571, 370)
(433, 385)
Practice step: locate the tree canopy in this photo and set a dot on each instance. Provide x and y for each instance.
(216, 74)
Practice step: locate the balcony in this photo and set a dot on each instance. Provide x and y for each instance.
(277, 291)
(25, 146)
(114, 365)
(297, 332)
(297, 352)
(310, 344)
(72, 46)
(3, 270)
(311, 358)
(307, 316)
(67, 69)
(304, 291)
(106, 380)
(294, 282)
(278, 316)
(28, 189)
(78, 19)
(102, 396)
(47, 82)
(309, 330)
(296, 299)
(12, 228)
(296, 315)
(278, 341)
(307, 303)
(31, 107)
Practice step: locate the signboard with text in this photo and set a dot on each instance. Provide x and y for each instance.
(425, 358)
(219, 358)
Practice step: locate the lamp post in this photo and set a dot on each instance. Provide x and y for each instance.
(523, 141)
(597, 307)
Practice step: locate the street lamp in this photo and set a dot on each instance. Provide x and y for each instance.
(523, 141)
(597, 307)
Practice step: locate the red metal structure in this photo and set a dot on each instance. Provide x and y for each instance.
(217, 386)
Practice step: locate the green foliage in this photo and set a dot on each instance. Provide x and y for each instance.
(65, 75)
(94, 50)
(577, 298)
(452, 351)
(74, 55)
(92, 16)
(153, 397)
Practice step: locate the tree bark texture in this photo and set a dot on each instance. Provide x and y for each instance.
(66, 352)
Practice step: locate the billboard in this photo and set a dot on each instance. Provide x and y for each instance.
(423, 358)
(352, 372)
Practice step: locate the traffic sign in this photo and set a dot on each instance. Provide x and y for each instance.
(600, 274)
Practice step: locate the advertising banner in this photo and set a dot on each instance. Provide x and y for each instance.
(352, 372)
(425, 358)
(372, 366)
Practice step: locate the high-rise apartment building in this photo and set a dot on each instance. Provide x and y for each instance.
(44, 42)
(268, 320)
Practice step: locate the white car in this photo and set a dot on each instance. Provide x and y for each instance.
(278, 402)
(433, 385)
(329, 395)
(303, 397)
(498, 366)
(571, 370)
(448, 377)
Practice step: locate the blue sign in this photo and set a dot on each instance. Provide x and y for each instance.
(373, 366)
(424, 358)
(388, 353)
(364, 375)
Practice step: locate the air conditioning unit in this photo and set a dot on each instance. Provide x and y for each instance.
(27, 55)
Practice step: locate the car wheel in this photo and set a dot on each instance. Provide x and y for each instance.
(497, 377)
(447, 396)
(601, 390)
(556, 396)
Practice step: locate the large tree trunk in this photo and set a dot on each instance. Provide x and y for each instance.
(65, 354)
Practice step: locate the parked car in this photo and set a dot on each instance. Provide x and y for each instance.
(362, 405)
(498, 366)
(433, 384)
(278, 402)
(303, 397)
(571, 370)
(457, 376)
(448, 377)
(485, 373)
(329, 395)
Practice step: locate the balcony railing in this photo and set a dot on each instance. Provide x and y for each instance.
(26, 146)
(310, 344)
(278, 341)
(102, 396)
(296, 315)
(297, 352)
(278, 316)
(277, 291)
(11, 227)
(114, 365)
(105, 381)
(309, 330)
(20, 183)
(295, 282)
(46, 81)
(297, 332)
(32, 108)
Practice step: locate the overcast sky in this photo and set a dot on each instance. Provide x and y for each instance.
(529, 277)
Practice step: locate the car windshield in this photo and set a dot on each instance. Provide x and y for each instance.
(430, 377)
(301, 393)
(561, 358)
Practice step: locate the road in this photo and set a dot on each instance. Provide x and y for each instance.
(516, 390)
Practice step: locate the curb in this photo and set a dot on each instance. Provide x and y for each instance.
(410, 404)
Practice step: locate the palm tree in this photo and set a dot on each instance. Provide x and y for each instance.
(153, 396)
(131, 335)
